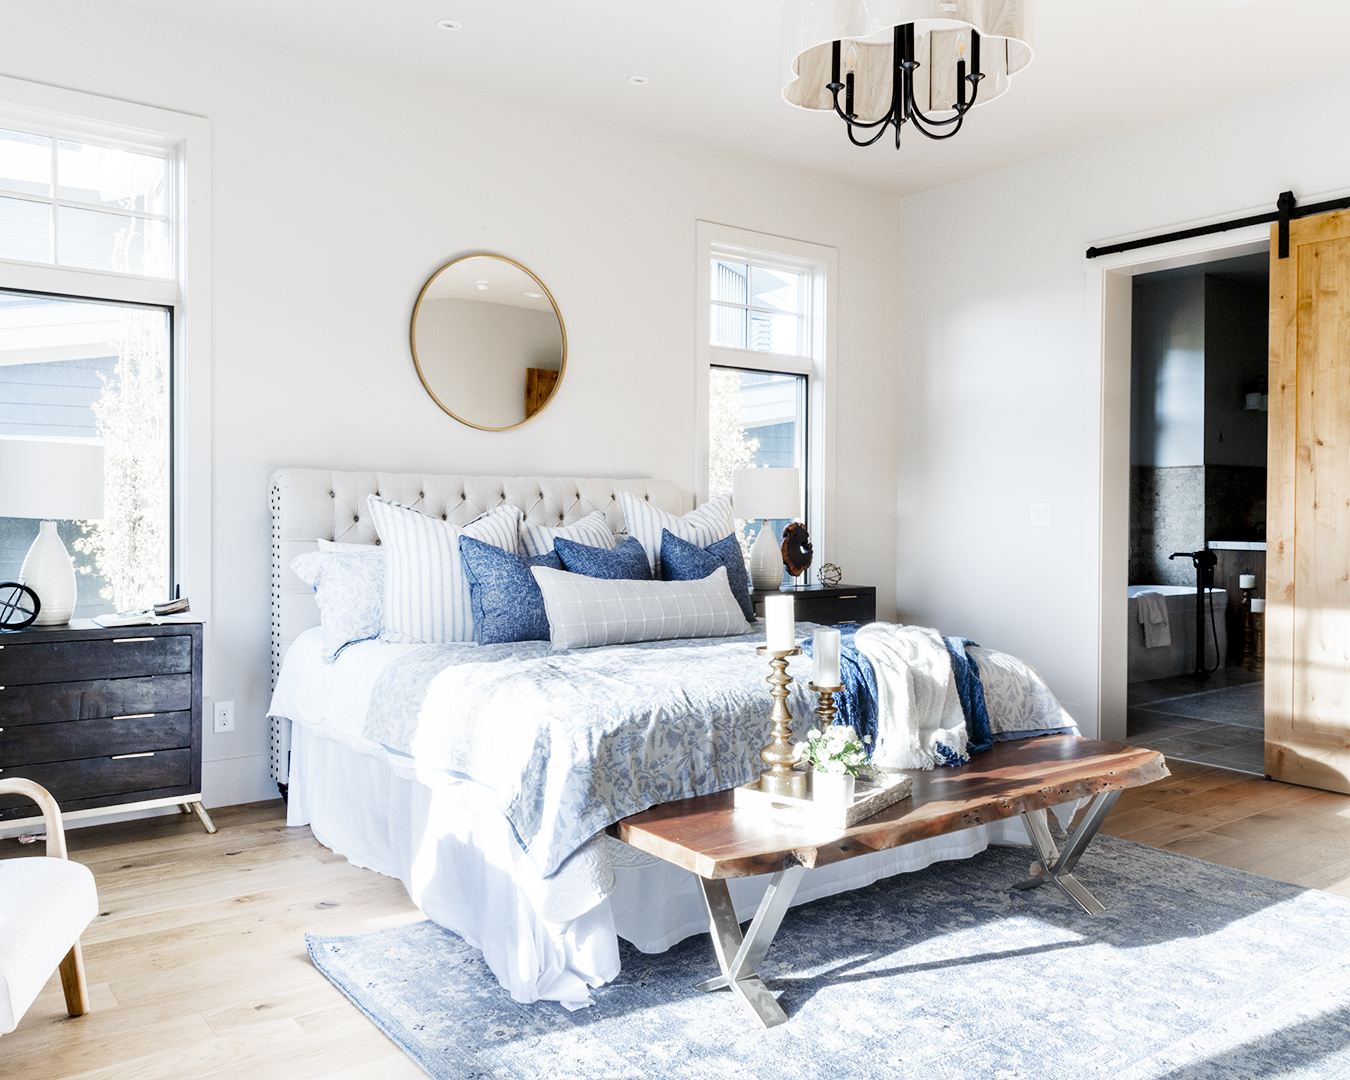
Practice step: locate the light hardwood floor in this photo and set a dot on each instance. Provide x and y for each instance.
(197, 964)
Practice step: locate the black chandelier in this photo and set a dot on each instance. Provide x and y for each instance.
(879, 64)
(904, 109)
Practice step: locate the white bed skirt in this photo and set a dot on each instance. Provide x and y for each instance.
(439, 844)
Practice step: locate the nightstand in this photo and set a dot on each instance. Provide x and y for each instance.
(827, 604)
(105, 719)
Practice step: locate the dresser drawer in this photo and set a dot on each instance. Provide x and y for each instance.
(79, 739)
(828, 611)
(100, 778)
(89, 659)
(52, 703)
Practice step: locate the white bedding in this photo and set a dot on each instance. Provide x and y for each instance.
(543, 938)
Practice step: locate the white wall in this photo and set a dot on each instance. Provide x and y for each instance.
(1000, 384)
(338, 189)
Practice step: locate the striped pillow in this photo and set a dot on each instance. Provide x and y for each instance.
(426, 595)
(708, 524)
(584, 612)
(592, 530)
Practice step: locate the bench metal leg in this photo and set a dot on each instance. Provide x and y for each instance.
(739, 958)
(1056, 868)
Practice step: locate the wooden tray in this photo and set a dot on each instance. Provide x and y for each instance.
(869, 797)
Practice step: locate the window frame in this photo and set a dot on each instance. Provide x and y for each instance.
(820, 264)
(186, 140)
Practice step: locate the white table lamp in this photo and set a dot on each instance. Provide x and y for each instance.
(55, 480)
(765, 494)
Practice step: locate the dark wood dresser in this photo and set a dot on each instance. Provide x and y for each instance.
(104, 719)
(827, 604)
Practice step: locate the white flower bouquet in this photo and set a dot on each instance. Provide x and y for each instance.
(837, 750)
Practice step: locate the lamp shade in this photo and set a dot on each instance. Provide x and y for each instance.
(864, 27)
(55, 479)
(766, 493)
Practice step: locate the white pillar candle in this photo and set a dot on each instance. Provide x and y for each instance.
(1258, 605)
(1246, 581)
(825, 646)
(781, 627)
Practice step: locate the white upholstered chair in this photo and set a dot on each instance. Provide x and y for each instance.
(45, 904)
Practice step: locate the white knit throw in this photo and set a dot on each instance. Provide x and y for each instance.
(918, 706)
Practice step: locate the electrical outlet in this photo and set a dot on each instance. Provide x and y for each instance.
(1040, 515)
(224, 717)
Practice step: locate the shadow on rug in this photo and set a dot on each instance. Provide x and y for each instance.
(1194, 971)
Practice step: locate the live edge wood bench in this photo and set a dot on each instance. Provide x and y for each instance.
(708, 836)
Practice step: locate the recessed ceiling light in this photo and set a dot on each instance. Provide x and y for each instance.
(448, 24)
(481, 285)
(535, 295)
(639, 80)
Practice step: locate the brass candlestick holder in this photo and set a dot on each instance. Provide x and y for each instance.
(780, 778)
(825, 710)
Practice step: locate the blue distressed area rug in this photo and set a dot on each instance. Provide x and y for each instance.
(1195, 971)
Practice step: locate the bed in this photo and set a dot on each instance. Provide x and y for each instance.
(545, 902)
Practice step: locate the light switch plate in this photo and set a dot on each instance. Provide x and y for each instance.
(1040, 515)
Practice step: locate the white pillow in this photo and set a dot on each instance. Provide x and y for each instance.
(338, 545)
(592, 530)
(349, 589)
(708, 524)
(585, 611)
(426, 596)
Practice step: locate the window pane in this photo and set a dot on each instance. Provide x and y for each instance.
(777, 289)
(25, 163)
(754, 418)
(729, 326)
(96, 240)
(25, 230)
(728, 281)
(775, 333)
(84, 370)
(110, 177)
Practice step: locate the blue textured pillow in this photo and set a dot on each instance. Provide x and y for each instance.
(683, 561)
(627, 562)
(506, 601)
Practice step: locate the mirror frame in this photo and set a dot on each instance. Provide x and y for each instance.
(421, 375)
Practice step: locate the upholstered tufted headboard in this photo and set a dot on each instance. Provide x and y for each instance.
(311, 503)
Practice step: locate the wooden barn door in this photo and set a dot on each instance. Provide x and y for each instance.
(1308, 513)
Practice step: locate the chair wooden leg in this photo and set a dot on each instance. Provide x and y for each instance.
(73, 982)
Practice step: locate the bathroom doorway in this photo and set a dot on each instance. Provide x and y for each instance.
(1198, 400)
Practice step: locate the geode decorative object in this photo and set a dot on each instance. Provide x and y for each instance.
(796, 549)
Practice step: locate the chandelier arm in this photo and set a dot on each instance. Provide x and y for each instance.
(853, 139)
(834, 89)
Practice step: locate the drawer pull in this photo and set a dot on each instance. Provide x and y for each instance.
(124, 640)
(123, 757)
(128, 716)
(853, 597)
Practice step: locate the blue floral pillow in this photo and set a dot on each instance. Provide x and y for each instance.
(506, 601)
(349, 589)
(628, 561)
(683, 561)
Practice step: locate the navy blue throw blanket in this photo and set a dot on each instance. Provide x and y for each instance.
(979, 738)
(857, 705)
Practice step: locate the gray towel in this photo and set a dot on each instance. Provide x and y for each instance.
(1153, 614)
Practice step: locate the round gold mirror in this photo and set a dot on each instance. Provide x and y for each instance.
(488, 341)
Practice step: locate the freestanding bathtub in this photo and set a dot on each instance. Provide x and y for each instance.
(1179, 657)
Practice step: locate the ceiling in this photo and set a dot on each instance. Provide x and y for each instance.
(1101, 67)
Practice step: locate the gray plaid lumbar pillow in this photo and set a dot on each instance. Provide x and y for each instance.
(586, 611)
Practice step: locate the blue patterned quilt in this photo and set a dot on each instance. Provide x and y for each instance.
(571, 742)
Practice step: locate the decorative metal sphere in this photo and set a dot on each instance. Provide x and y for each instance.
(830, 575)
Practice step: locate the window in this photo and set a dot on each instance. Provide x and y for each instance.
(764, 378)
(100, 371)
(81, 204)
(104, 224)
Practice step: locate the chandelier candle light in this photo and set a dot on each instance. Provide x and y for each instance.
(893, 62)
